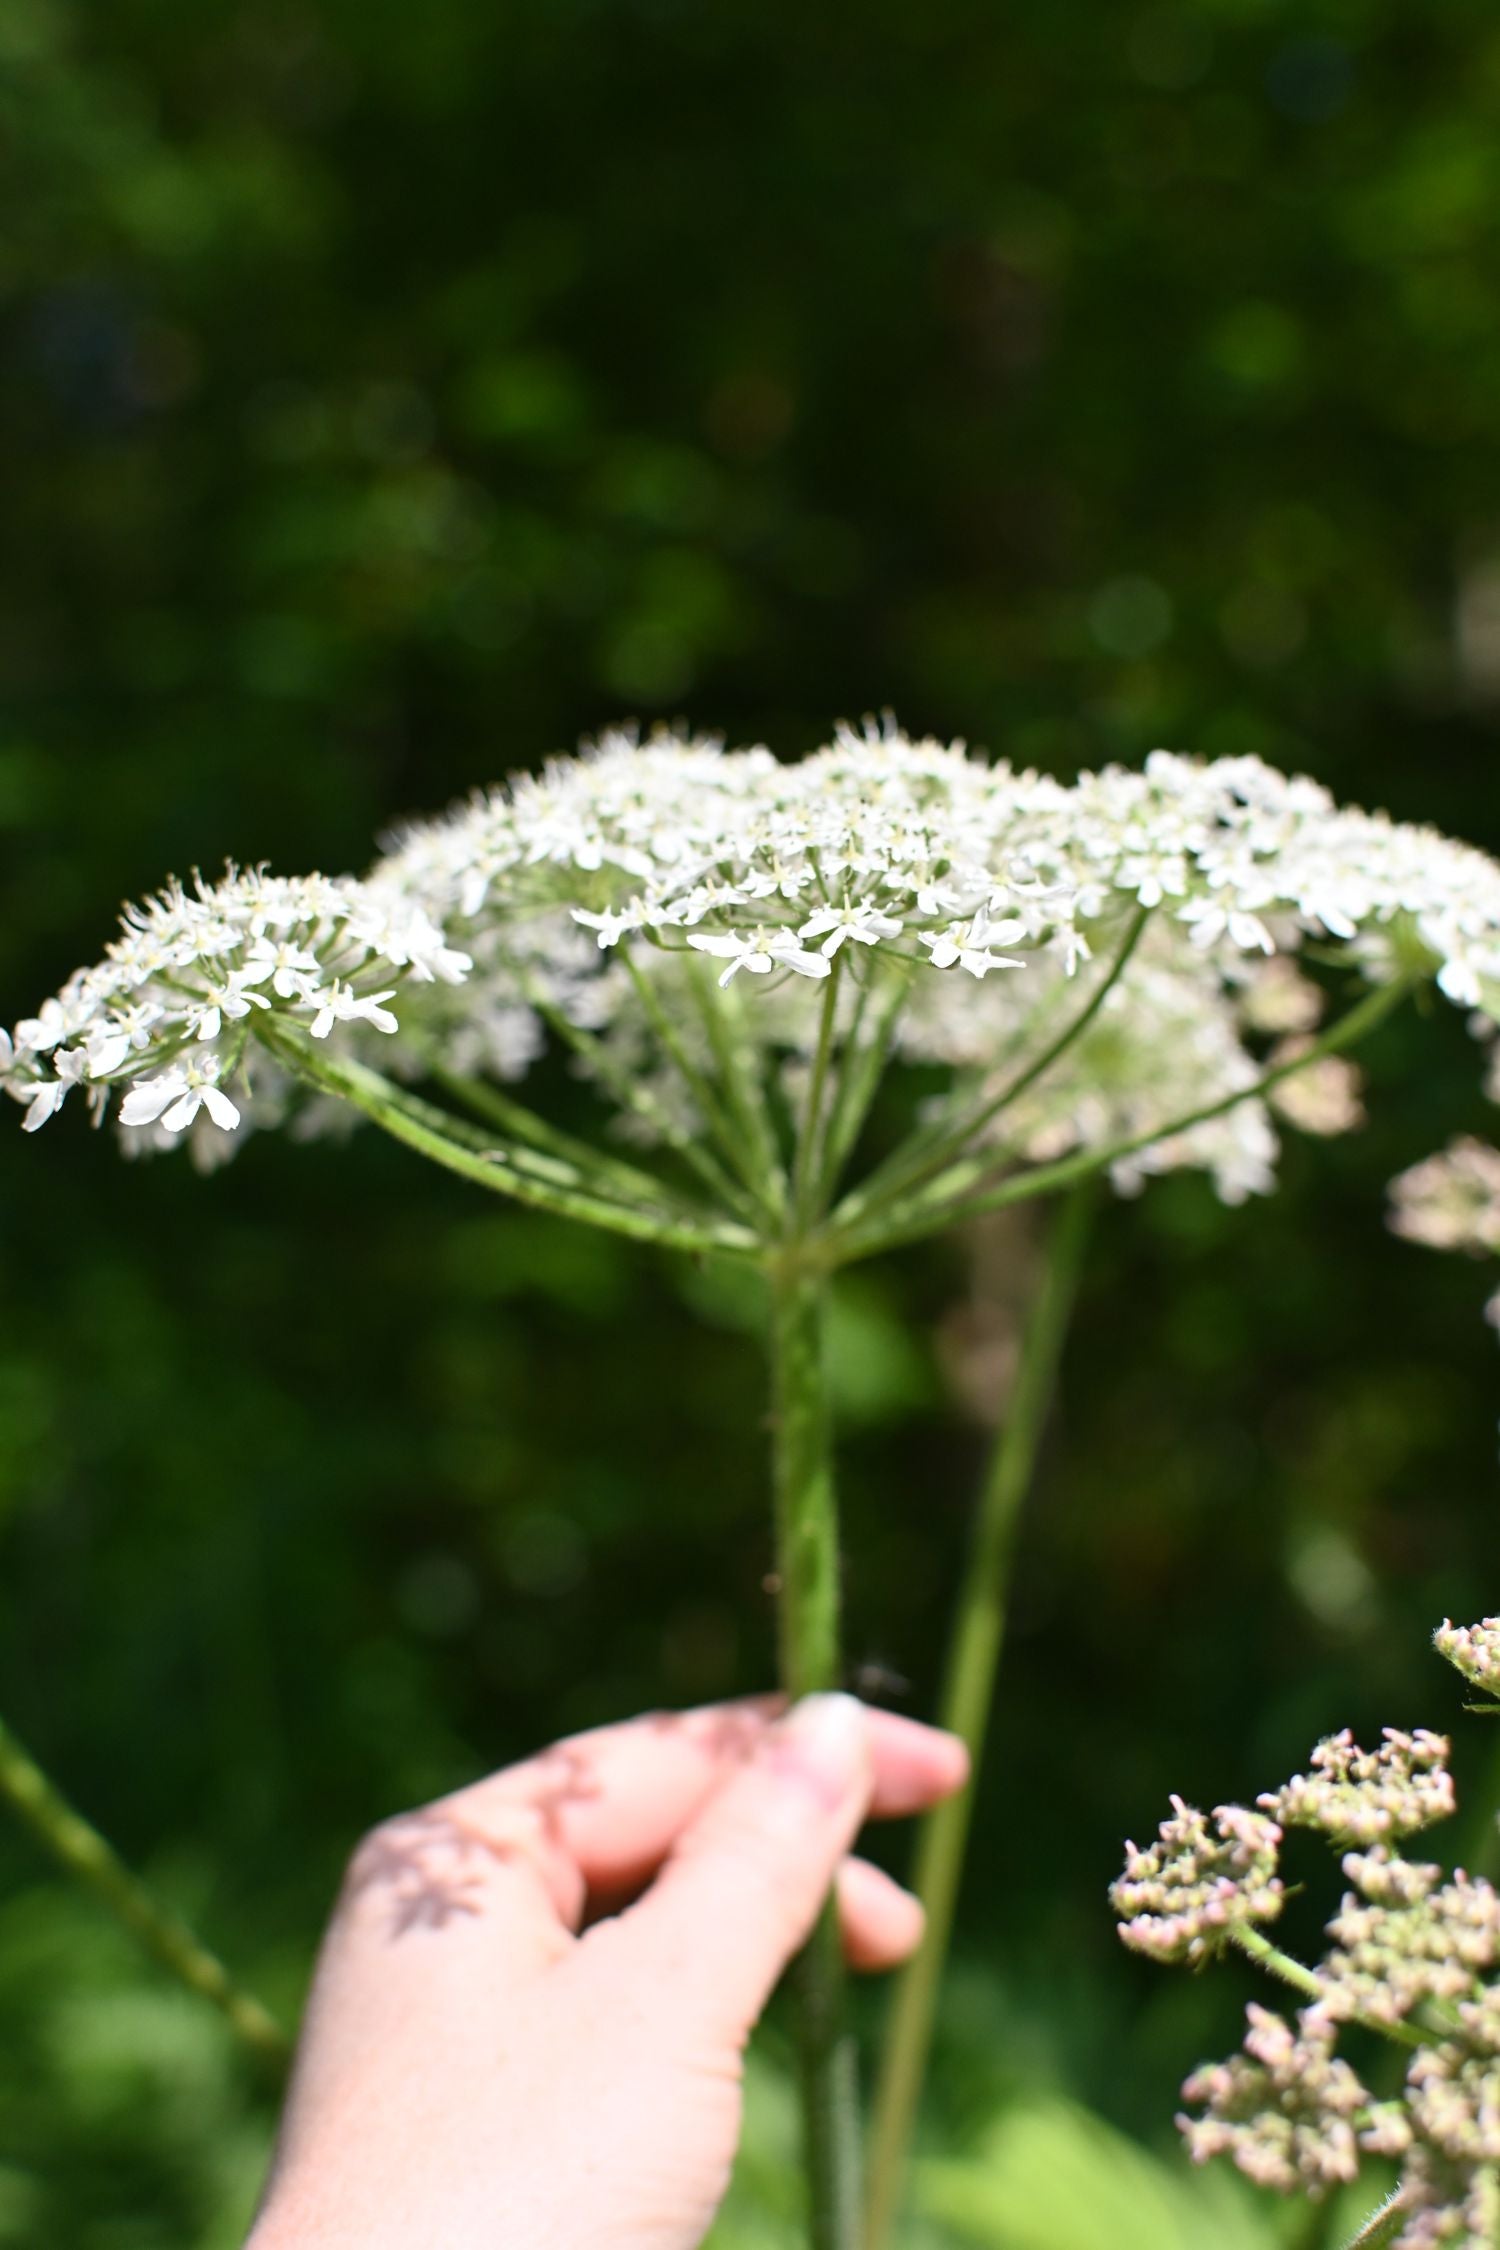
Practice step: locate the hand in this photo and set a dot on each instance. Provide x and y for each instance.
(528, 2020)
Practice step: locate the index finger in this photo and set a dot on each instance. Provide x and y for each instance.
(612, 1802)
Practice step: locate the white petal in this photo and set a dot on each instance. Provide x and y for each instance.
(182, 1113)
(144, 1103)
(220, 1108)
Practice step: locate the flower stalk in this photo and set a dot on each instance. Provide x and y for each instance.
(967, 1698)
(808, 1597)
(84, 1854)
(969, 1191)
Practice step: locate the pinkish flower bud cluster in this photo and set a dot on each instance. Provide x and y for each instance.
(1403, 1938)
(1356, 1796)
(1411, 1954)
(1184, 1896)
(1287, 2110)
(1451, 1201)
(1474, 1650)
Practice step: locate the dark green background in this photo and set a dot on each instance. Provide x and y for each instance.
(389, 394)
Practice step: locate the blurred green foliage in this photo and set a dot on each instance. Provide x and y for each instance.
(390, 394)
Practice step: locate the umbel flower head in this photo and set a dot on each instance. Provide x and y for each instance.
(1411, 1955)
(1473, 1650)
(732, 950)
(1185, 1896)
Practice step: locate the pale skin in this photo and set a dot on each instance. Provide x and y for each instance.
(531, 2009)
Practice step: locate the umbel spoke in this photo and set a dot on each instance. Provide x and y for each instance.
(970, 1190)
(546, 1182)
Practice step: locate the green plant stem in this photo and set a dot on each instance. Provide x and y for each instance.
(546, 1183)
(866, 1053)
(85, 1855)
(739, 1061)
(806, 1171)
(967, 1697)
(932, 1154)
(631, 1094)
(807, 1569)
(731, 1143)
(1302, 1979)
(612, 1175)
(1382, 2226)
(963, 1193)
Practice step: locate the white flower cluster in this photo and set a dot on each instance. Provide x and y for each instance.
(878, 842)
(596, 897)
(891, 857)
(166, 1015)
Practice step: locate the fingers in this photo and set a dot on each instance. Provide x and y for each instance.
(612, 1803)
(745, 1879)
(881, 1924)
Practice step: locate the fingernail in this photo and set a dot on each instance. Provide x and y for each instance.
(822, 1741)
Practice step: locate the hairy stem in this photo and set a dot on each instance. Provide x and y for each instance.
(807, 1569)
(85, 1855)
(968, 1190)
(1302, 1979)
(1382, 2226)
(967, 1697)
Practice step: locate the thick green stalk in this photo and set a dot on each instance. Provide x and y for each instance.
(85, 1855)
(967, 1697)
(807, 1569)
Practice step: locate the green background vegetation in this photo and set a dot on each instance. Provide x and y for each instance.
(389, 394)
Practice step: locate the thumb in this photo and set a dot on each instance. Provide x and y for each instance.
(745, 1880)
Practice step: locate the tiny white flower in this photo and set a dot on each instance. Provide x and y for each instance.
(295, 973)
(176, 1097)
(50, 1095)
(760, 952)
(966, 945)
(1458, 981)
(40, 1033)
(866, 925)
(342, 1004)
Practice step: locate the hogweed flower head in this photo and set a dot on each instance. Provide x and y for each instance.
(1474, 1650)
(1412, 1954)
(1286, 2109)
(1183, 1897)
(706, 927)
(1359, 1796)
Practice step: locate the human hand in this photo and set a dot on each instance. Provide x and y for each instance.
(529, 2015)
